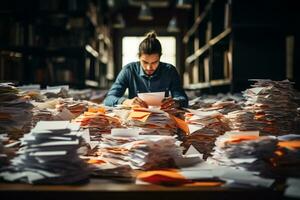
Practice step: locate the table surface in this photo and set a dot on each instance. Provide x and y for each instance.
(100, 189)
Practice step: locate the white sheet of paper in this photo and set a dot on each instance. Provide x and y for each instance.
(293, 188)
(204, 114)
(257, 90)
(193, 151)
(152, 98)
(202, 174)
(245, 177)
(86, 135)
(51, 125)
(125, 132)
(48, 153)
(194, 127)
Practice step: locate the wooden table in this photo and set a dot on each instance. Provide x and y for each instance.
(108, 190)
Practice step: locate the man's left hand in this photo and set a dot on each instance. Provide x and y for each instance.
(168, 103)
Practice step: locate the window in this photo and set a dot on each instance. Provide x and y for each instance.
(168, 44)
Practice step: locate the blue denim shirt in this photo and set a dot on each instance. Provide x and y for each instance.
(133, 77)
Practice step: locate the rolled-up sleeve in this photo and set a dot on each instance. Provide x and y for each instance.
(115, 94)
(177, 90)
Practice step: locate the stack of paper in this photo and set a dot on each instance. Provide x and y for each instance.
(141, 152)
(15, 111)
(242, 120)
(41, 115)
(3, 156)
(286, 159)
(33, 91)
(274, 106)
(292, 190)
(56, 91)
(49, 155)
(75, 107)
(204, 128)
(98, 121)
(151, 121)
(223, 103)
(210, 119)
(244, 149)
(204, 174)
(100, 168)
(61, 109)
(298, 119)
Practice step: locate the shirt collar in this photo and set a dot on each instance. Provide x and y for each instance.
(142, 73)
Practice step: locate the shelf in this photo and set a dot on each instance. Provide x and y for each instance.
(59, 14)
(64, 51)
(198, 21)
(213, 83)
(52, 41)
(204, 48)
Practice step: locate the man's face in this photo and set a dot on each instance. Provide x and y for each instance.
(149, 62)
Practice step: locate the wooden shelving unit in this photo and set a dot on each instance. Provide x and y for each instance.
(55, 42)
(230, 42)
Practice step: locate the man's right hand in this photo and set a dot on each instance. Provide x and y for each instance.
(135, 102)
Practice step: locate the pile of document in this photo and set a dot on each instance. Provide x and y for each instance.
(223, 103)
(292, 189)
(198, 119)
(101, 168)
(244, 150)
(151, 121)
(49, 155)
(56, 91)
(204, 127)
(242, 120)
(98, 121)
(92, 95)
(51, 107)
(203, 140)
(286, 159)
(298, 120)
(60, 109)
(33, 91)
(207, 175)
(273, 103)
(75, 107)
(141, 152)
(40, 115)
(3, 156)
(15, 111)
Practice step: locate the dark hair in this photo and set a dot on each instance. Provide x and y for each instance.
(150, 45)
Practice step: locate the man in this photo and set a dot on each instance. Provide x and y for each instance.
(148, 75)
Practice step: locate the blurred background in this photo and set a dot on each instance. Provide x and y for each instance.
(216, 45)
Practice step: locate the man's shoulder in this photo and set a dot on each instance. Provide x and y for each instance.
(131, 66)
(168, 66)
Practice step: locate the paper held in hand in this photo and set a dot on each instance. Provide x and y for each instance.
(152, 98)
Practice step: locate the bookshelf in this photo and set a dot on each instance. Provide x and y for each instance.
(52, 42)
(229, 42)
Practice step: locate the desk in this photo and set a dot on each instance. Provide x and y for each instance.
(108, 190)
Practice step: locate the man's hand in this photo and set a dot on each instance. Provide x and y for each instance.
(135, 102)
(168, 103)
